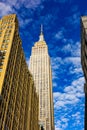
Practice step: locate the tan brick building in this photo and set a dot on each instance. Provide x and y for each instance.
(18, 98)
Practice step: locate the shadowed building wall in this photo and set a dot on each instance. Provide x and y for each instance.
(19, 101)
(84, 59)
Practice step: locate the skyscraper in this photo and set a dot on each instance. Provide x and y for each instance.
(18, 98)
(40, 68)
(84, 59)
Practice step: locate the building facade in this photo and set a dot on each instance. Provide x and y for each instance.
(84, 59)
(40, 68)
(18, 98)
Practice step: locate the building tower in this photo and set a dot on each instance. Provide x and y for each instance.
(40, 68)
(18, 98)
(84, 59)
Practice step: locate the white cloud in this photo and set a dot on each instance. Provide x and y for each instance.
(55, 84)
(25, 3)
(75, 61)
(31, 3)
(54, 75)
(59, 65)
(76, 87)
(24, 22)
(60, 34)
(58, 61)
(71, 94)
(62, 123)
(64, 103)
(56, 128)
(76, 115)
(55, 62)
(64, 100)
(75, 70)
(72, 47)
(4, 9)
(10, 2)
(74, 19)
(7, 6)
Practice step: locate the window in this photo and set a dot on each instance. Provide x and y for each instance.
(5, 50)
(9, 31)
(2, 45)
(9, 26)
(0, 70)
(5, 41)
(6, 45)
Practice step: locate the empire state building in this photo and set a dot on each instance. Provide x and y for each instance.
(40, 68)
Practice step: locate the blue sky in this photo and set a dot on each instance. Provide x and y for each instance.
(61, 21)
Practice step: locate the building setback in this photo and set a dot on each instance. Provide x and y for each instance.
(18, 98)
(40, 68)
(84, 59)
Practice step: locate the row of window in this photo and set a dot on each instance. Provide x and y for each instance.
(6, 33)
(2, 57)
(5, 40)
(7, 21)
(16, 106)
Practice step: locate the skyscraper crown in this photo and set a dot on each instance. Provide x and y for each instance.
(41, 37)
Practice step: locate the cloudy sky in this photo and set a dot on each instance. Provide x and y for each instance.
(61, 21)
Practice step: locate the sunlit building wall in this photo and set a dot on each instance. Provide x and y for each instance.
(40, 68)
(18, 98)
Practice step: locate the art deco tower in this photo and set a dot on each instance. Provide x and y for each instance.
(40, 68)
(19, 101)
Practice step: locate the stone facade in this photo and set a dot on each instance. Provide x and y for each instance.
(40, 68)
(18, 98)
(84, 59)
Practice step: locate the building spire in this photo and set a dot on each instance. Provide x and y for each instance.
(41, 37)
(41, 29)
